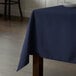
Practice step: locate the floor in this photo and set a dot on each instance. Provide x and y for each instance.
(12, 35)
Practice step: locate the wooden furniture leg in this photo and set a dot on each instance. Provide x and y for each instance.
(20, 9)
(5, 9)
(37, 65)
(9, 9)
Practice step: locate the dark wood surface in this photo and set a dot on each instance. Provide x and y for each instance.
(37, 65)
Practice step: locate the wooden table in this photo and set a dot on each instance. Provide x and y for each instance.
(37, 65)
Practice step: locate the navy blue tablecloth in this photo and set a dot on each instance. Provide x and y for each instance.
(51, 34)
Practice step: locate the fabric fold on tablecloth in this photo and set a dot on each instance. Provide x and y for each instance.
(29, 43)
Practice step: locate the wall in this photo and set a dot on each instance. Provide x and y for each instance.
(33, 4)
(71, 1)
(29, 5)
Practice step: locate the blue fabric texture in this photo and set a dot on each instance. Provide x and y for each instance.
(51, 34)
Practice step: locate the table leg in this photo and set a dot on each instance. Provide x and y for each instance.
(20, 9)
(37, 65)
(5, 9)
(9, 9)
